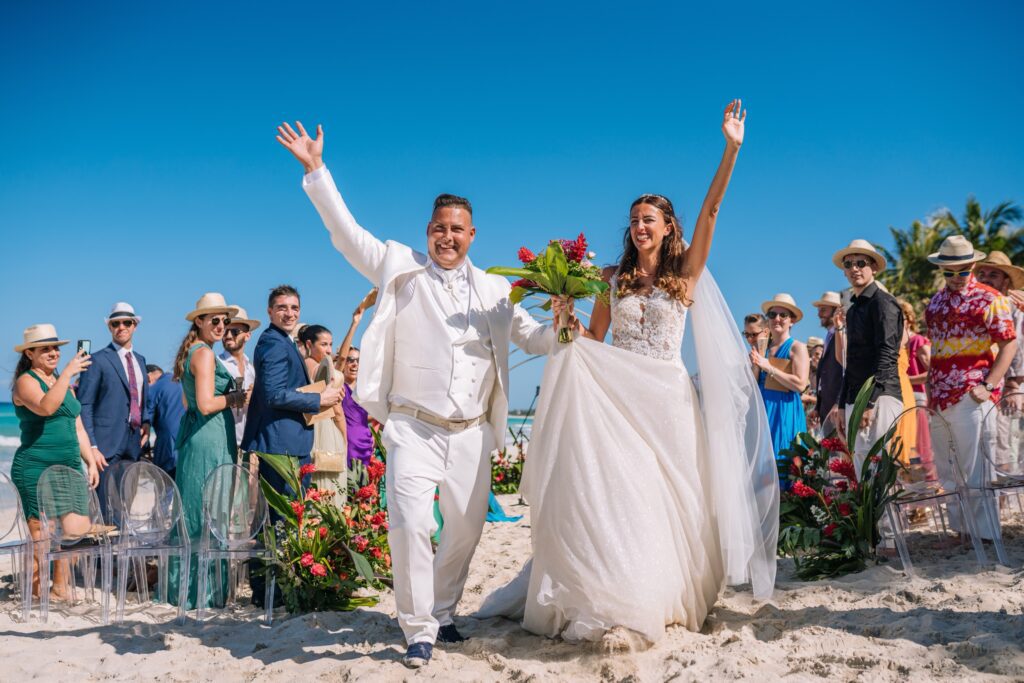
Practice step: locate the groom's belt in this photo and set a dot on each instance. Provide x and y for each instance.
(442, 422)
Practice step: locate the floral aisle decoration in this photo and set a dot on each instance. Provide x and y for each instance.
(564, 268)
(328, 558)
(507, 467)
(829, 516)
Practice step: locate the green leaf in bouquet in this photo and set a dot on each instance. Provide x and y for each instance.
(277, 501)
(512, 272)
(556, 267)
(859, 406)
(576, 287)
(362, 565)
(546, 306)
(284, 465)
(518, 294)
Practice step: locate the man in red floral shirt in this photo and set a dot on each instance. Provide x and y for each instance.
(966, 321)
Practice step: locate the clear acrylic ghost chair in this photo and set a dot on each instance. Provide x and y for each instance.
(72, 529)
(16, 541)
(235, 514)
(152, 525)
(932, 499)
(1003, 449)
(114, 517)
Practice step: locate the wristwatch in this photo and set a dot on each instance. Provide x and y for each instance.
(989, 387)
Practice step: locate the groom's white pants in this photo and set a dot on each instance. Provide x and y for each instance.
(421, 459)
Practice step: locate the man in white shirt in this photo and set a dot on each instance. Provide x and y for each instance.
(234, 358)
(435, 373)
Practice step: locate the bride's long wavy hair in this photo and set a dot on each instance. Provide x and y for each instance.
(671, 258)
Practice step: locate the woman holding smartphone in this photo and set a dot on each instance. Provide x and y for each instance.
(52, 433)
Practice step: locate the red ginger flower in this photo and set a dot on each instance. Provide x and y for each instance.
(526, 256)
(829, 529)
(318, 569)
(376, 469)
(323, 532)
(843, 467)
(313, 494)
(845, 510)
(803, 490)
(376, 552)
(365, 493)
(307, 469)
(525, 284)
(298, 508)
(361, 543)
(835, 445)
(307, 559)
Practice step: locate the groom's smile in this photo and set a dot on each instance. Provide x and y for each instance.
(449, 234)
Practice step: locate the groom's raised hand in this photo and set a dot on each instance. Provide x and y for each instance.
(307, 150)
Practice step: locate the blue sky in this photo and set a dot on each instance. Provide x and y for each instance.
(139, 159)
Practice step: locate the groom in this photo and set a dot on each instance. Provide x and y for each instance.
(435, 373)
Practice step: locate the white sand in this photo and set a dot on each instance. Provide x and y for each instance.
(955, 624)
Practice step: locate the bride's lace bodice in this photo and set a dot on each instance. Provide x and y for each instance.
(651, 325)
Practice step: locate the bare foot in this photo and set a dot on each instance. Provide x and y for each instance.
(620, 639)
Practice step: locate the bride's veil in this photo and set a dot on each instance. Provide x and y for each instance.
(744, 477)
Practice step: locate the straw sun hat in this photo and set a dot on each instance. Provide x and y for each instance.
(862, 248)
(1001, 261)
(43, 334)
(786, 301)
(242, 318)
(212, 302)
(829, 299)
(955, 251)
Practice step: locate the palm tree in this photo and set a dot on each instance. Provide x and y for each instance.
(996, 229)
(910, 275)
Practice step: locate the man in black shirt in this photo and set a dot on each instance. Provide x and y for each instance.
(872, 334)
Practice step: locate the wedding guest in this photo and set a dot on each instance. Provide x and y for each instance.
(113, 394)
(967, 321)
(829, 376)
(234, 358)
(329, 454)
(870, 332)
(755, 326)
(360, 438)
(999, 273)
(907, 429)
(165, 407)
(153, 373)
(783, 370)
(275, 422)
(919, 354)
(815, 349)
(206, 438)
(52, 433)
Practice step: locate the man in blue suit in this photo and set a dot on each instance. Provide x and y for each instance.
(164, 410)
(113, 396)
(274, 423)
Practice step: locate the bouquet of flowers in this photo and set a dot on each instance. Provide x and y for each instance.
(507, 468)
(326, 554)
(829, 516)
(563, 269)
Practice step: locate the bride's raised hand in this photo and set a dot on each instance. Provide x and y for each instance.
(732, 122)
(309, 151)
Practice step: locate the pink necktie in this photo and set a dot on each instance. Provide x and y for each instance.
(134, 410)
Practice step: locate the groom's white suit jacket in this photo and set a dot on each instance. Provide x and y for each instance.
(382, 263)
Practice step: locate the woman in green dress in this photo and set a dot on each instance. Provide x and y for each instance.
(206, 438)
(51, 434)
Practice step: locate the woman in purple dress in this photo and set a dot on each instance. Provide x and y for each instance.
(357, 422)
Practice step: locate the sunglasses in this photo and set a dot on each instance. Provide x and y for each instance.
(960, 273)
(118, 323)
(859, 263)
(751, 335)
(779, 314)
(218, 321)
(350, 359)
(233, 332)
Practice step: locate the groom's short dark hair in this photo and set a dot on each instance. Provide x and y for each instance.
(453, 200)
(282, 290)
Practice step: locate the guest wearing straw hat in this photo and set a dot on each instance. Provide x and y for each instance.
(236, 336)
(829, 377)
(206, 438)
(52, 433)
(783, 371)
(870, 331)
(1000, 274)
(967, 322)
(815, 348)
(918, 351)
(113, 395)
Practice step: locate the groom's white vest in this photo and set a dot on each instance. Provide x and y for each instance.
(384, 263)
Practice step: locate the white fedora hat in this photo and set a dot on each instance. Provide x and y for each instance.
(242, 318)
(783, 300)
(829, 299)
(211, 302)
(1000, 261)
(862, 247)
(43, 334)
(122, 309)
(815, 341)
(954, 251)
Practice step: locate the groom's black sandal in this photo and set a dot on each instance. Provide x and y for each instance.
(449, 634)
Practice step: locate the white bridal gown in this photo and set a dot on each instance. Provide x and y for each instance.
(634, 514)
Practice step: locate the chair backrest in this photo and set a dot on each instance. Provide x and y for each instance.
(68, 508)
(939, 431)
(151, 505)
(234, 509)
(113, 476)
(1002, 438)
(13, 527)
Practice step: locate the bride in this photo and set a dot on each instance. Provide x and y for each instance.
(645, 495)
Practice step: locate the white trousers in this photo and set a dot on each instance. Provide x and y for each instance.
(887, 409)
(421, 459)
(970, 422)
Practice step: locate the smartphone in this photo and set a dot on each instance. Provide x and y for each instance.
(84, 345)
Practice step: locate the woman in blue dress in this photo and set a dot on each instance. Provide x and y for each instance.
(783, 370)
